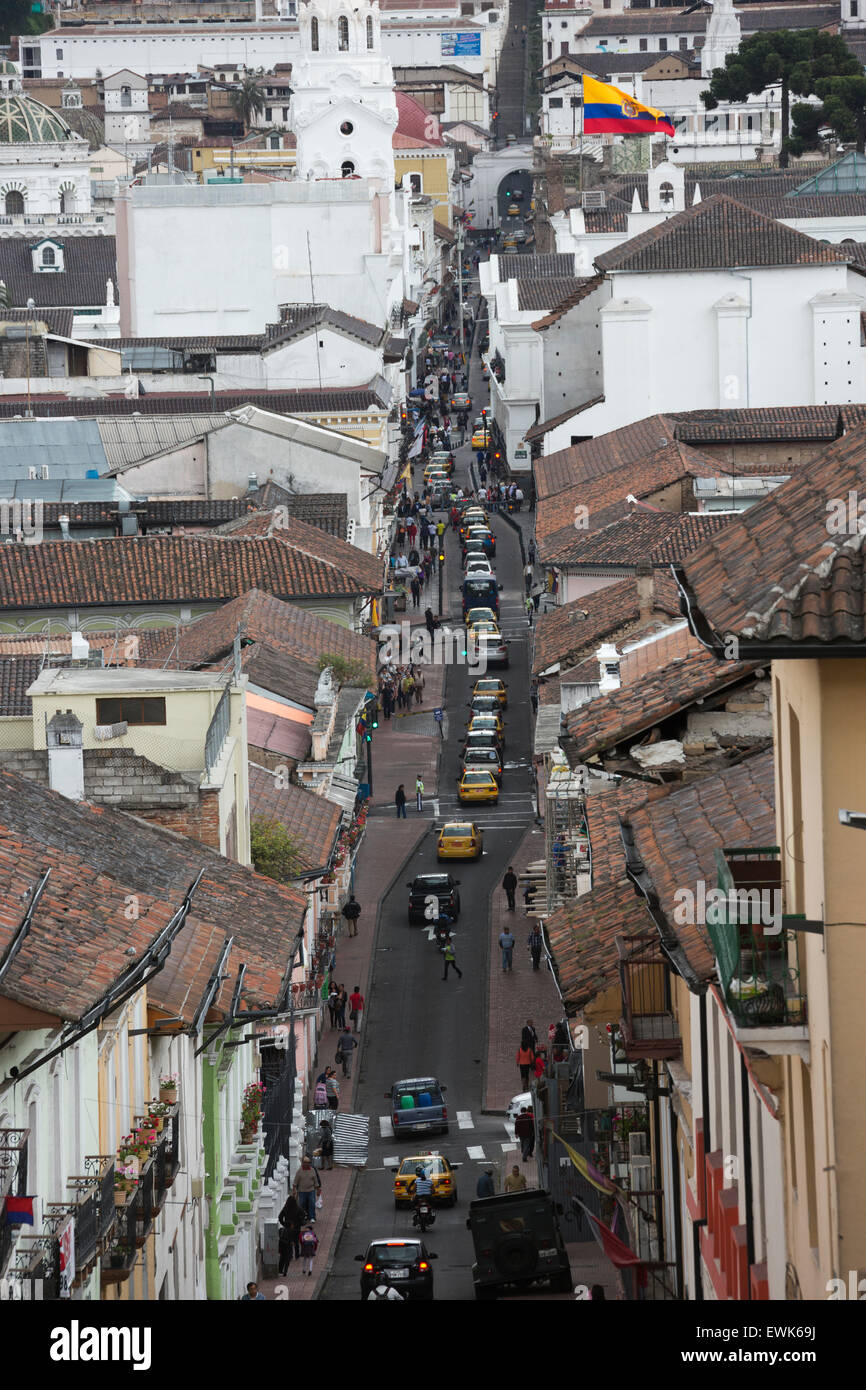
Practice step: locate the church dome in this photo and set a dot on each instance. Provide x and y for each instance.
(24, 121)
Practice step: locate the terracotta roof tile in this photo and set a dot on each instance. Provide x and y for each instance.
(311, 820)
(566, 633)
(17, 674)
(645, 537)
(351, 401)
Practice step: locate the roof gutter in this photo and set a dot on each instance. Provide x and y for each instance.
(639, 876)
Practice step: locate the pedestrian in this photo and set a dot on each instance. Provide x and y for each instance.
(320, 1093)
(252, 1295)
(537, 591)
(346, 1044)
(531, 551)
(385, 1293)
(450, 959)
(408, 685)
(356, 1008)
(306, 1186)
(326, 1144)
(509, 883)
(341, 1007)
(529, 609)
(535, 942)
(430, 622)
(518, 499)
(291, 1219)
(529, 1037)
(415, 589)
(332, 1087)
(525, 1060)
(524, 1130)
(333, 1000)
(309, 1246)
(485, 1186)
(506, 945)
(419, 686)
(419, 793)
(351, 912)
(540, 1063)
(515, 1182)
(400, 801)
(533, 695)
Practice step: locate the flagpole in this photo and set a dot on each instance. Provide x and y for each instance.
(580, 151)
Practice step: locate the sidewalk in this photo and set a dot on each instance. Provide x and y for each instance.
(399, 754)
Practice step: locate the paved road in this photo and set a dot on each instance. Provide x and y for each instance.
(512, 73)
(417, 1023)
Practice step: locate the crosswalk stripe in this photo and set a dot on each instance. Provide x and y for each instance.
(476, 1154)
(386, 1129)
(509, 1148)
(465, 1120)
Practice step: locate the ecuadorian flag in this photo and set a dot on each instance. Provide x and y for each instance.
(607, 110)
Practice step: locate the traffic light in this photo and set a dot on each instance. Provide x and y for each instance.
(484, 414)
(442, 557)
(508, 192)
(368, 737)
(497, 457)
(374, 723)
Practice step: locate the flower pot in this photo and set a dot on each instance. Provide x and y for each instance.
(157, 1122)
(120, 1196)
(131, 1162)
(168, 1094)
(247, 1135)
(116, 1260)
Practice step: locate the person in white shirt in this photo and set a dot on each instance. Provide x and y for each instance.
(382, 1292)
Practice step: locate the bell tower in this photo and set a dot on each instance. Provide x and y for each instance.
(343, 110)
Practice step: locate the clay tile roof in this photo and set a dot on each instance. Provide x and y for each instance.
(311, 820)
(554, 264)
(790, 570)
(718, 234)
(764, 424)
(415, 121)
(622, 715)
(353, 400)
(644, 537)
(198, 569)
(17, 674)
(677, 833)
(260, 618)
(548, 291)
(605, 452)
(78, 942)
(326, 510)
(579, 290)
(564, 634)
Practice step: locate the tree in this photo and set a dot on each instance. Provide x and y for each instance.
(17, 17)
(793, 59)
(247, 98)
(273, 850)
(843, 109)
(347, 672)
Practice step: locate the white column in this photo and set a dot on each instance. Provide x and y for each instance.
(732, 352)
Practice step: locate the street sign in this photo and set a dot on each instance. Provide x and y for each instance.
(437, 715)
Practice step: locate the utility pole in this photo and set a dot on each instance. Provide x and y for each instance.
(460, 282)
(441, 569)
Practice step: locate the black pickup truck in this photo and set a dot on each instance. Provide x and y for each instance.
(517, 1244)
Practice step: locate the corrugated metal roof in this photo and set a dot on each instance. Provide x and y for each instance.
(68, 490)
(131, 439)
(67, 447)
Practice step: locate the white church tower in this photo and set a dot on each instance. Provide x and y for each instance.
(723, 36)
(343, 109)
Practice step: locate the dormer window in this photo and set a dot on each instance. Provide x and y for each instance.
(47, 256)
(343, 34)
(72, 100)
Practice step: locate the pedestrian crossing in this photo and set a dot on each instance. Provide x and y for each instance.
(476, 1153)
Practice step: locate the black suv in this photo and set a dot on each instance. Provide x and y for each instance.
(517, 1243)
(441, 886)
(403, 1265)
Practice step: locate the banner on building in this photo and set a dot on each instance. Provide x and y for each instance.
(461, 45)
(66, 1241)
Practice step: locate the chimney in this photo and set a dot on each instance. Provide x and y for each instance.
(80, 646)
(608, 659)
(64, 528)
(252, 483)
(645, 590)
(66, 755)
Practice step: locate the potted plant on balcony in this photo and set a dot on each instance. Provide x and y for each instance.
(118, 1255)
(125, 1182)
(168, 1088)
(251, 1111)
(157, 1111)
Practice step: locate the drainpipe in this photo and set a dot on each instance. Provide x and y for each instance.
(678, 1211)
(747, 1160)
(659, 1205)
(705, 1116)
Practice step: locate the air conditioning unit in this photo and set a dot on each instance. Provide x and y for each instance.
(104, 732)
(593, 199)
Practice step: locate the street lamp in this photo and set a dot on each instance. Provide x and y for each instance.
(31, 305)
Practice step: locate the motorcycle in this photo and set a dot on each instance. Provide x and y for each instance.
(423, 1215)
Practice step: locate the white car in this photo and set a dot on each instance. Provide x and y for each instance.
(516, 1104)
(476, 568)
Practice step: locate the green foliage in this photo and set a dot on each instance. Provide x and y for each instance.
(843, 109)
(16, 17)
(247, 98)
(273, 850)
(348, 672)
(795, 60)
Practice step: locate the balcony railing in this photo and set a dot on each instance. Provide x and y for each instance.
(648, 1026)
(758, 960)
(13, 1182)
(172, 1146)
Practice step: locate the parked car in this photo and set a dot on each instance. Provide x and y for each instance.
(418, 1104)
(404, 1264)
(423, 887)
(518, 1244)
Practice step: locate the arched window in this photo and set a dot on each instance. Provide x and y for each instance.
(125, 96)
(343, 34)
(347, 169)
(666, 195)
(14, 203)
(48, 256)
(369, 31)
(314, 34)
(67, 200)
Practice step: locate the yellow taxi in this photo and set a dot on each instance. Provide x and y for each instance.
(491, 687)
(474, 616)
(514, 210)
(481, 438)
(477, 785)
(483, 625)
(459, 839)
(487, 724)
(440, 1172)
(473, 517)
(435, 470)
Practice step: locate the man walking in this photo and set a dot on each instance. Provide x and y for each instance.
(506, 945)
(515, 1182)
(306, 1186)
(450, 959)
(346, 1044)
(351, 912)
(509, 883)
(485, 1186)
(400, 801)
(529, 1037)
(533, 696)
(527, 603)
(524, 1130)
(525, 1060)
(356, 1008)
(419, 793)
(535, 941)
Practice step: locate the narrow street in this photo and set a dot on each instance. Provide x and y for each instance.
(416, 1023)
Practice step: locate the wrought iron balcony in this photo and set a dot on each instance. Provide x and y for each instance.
(172, 1146)
(757, 947)
(13, 1182)
(131, 1228)
(648, 1027)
